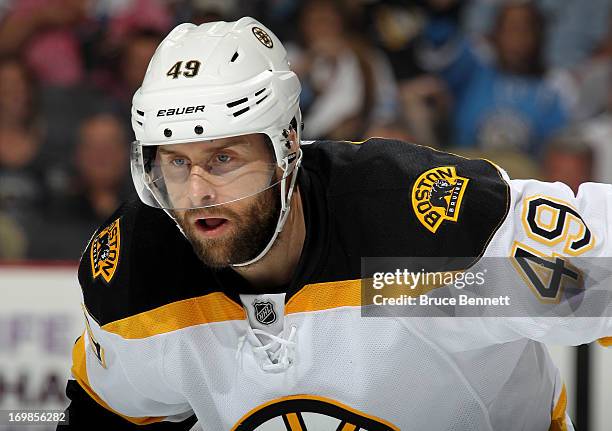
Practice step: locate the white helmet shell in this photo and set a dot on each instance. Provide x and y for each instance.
(217, 80)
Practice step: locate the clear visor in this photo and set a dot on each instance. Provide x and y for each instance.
(206, 173)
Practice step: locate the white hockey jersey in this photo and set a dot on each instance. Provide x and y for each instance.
(167, 338)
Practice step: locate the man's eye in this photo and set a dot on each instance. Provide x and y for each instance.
(223, 158)
(178, 162)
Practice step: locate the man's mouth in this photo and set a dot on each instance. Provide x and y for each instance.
(211, 226)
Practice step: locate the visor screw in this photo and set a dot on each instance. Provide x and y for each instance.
(167, 133)
(285, 133)
(199, 130)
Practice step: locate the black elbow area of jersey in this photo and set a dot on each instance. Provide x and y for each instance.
(85, 413)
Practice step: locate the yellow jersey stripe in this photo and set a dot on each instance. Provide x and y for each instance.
(557, 422)
(214, 307)
(605, 341)
(79, 371)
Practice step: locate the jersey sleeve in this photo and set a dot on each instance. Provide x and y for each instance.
(83, 411)
(118, 379)
(103, 391)
(557, 269)
(546, 249)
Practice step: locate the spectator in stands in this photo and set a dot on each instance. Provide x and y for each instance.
(597, 132)
(593, 79)
(137, 51)
(347, 84)
(426, 108)
(101, 165)
(27, 114)
(23, 190)
(506, 102)
(424, 101)
(17, 93)
(573, 29)
(569, 159)
(122, 76)
(45, 31)
(132, 16)
(395, 27)
(22, 172)
(43, 75)
(133, 30)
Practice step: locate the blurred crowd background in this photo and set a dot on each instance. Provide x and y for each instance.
(527, 84)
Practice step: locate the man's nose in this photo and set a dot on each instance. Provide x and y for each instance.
(201, 192)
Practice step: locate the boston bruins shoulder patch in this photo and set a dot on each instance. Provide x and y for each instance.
(104, 252)
(437, 196)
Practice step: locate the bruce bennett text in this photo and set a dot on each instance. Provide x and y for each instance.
(426, 300)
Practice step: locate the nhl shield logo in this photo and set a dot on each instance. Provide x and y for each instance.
(104, 252)
(264, 312)
(437, 196)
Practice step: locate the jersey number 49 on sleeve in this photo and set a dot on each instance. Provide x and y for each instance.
(563, 233)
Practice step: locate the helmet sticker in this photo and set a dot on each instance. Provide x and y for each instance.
(263, 37)
(192, 68)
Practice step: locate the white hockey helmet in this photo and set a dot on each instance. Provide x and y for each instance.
(212, 81)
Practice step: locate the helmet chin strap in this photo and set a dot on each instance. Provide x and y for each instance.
(284, 212)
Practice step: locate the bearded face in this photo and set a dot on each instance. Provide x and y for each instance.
(232, 233)
(224, 194)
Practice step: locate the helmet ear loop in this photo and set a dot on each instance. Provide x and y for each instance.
(293, 127)
(287, 161)
(295, 159)
(286, 195)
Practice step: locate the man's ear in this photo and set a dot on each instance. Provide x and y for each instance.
(293, 137)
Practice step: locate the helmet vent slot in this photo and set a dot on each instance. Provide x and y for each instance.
(242, 111)
(262, 99)
(260, 91)
(140, 113)
(237, 102)
(234, 57)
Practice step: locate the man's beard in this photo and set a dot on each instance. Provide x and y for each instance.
(252, 229)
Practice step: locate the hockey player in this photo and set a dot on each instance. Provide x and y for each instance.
(249, 317)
